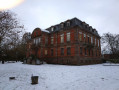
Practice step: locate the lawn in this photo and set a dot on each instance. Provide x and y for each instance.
(59, 77)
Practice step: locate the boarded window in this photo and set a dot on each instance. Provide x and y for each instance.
(68, 51)
(81, 50)
(51, 52)
(92, 52)
(62, 51)
(46, 40)
(89, 52)
(96, 52)
(46, 52)
(85, 51)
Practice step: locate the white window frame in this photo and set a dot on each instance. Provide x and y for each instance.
(46, 52)
(62, 38)
(84, 37)
(98, 43)
(34, 41)
(95, 41)
(52, 29)
(39, 40)
(92, 40)
(62, 25)
(80, 34)
(89, 38)
(52, 40)
(68, 36)
(68, 23)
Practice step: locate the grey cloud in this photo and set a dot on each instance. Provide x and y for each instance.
(101, 14)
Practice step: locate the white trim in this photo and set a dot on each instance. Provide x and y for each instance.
(80, 32)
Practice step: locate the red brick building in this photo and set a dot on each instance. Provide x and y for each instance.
(72, 42)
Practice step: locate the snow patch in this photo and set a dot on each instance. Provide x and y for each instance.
(59, 77)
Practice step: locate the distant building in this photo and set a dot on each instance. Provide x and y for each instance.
(26, 37)
(72, 42)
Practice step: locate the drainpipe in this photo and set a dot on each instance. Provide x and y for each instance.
(57, 47)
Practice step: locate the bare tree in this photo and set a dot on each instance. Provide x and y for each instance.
(110, 42)
(110, 46)
(10, 31)
(26, 37)
(22, 47)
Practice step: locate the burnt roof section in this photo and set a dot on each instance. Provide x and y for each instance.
(72, 23)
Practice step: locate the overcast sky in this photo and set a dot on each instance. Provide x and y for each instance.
(100, 14)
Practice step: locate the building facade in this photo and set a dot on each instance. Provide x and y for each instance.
(72, 42)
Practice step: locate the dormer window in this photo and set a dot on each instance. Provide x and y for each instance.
(62, 25)
(94, 31)
(52, 29)
(86, 26)
(90, 29)
(68, 23)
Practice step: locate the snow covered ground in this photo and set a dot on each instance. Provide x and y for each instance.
(59, 77)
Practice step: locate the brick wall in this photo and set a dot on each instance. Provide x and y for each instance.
(75, 58)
